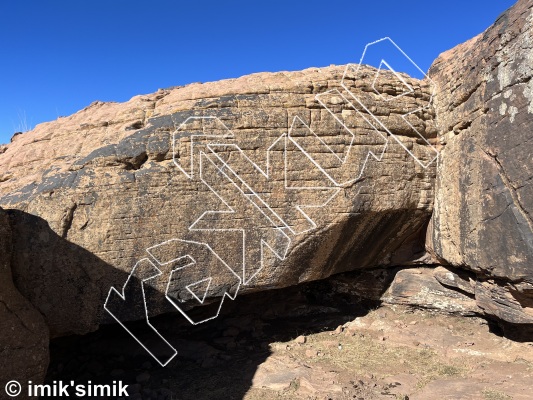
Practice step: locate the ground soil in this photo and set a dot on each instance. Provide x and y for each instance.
(307, 343)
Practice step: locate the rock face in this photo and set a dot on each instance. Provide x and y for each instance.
(421, 287)
(23, 332)
(291, 162)
(195, 194)
(483, 217)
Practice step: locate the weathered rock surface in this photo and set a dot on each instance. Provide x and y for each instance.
(483, 217)
(270, 180)
(92, 194)
(420, 287)
(23, 332)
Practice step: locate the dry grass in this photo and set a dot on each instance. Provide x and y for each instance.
(363, 355)
(490, 394)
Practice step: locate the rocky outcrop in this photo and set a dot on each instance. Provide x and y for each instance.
(23, 332)
(289, 160)
(192, 195)
(483, 217)
(426, 288)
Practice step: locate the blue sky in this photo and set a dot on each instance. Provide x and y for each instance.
(59, 56)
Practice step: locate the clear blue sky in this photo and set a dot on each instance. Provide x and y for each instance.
(59, 56)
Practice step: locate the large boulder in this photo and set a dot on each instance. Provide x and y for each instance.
(23, 332)
(190, 171)
(483, 217)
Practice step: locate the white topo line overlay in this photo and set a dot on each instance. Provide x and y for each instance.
(220, 175)
(433, 157)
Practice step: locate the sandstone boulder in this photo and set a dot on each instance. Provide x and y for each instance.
(483, 217)
(210, 190)
(192, 195)
(23, 332)
(419, 287)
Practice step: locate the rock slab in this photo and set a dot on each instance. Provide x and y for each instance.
(23, 332)
(483, 217)
(290, 161)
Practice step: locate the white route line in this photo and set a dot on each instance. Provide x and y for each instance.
(231, 210)
(343, 161)
(404, 117)
(398, 76)
(253, 195)
(122, 295)
(193, 137)
(213, 158)
(191, 263)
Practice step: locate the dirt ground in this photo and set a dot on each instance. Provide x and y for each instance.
(308, 343)
(398, 353)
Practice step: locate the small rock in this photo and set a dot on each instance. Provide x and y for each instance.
(143, 377)
(329, 344)
(413, 322)
(338, 330)
(300, 339)
(310, 353)
(450, 327)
